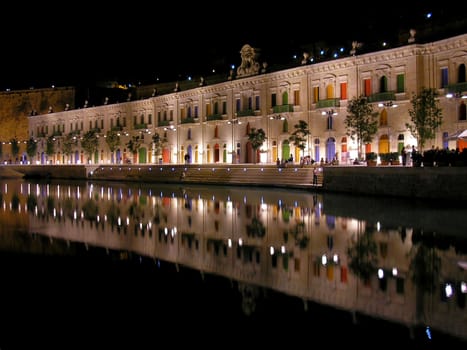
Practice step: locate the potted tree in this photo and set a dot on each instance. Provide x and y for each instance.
(370, 158)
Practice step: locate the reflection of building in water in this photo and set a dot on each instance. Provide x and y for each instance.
(285, 240)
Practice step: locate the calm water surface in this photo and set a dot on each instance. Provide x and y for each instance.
(126, 265)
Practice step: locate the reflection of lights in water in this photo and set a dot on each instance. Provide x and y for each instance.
(448, 290)
(428, 332)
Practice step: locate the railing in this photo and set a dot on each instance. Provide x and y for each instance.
(382, 96)
(327, 103)
(282, 108)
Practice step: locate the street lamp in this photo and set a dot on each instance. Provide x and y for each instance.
(174, 129)
(233, 122)
(330, 146)
(388, 104)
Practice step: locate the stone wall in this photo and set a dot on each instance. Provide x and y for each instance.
(17, 106)
(424, 182)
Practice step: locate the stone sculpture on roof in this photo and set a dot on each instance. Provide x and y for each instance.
(249, 65)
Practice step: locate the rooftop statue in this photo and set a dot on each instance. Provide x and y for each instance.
(249, 65)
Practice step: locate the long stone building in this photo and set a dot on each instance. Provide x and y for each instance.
(209, 122)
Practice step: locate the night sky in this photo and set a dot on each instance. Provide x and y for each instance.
(84, 43)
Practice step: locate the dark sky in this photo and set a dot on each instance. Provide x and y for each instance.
(129, 43)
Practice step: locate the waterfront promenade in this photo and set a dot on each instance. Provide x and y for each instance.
(446, 183)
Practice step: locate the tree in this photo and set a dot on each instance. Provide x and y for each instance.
(299, 136)
(90, 142)
(67, 144)
(50, 146)
(31, 148)
(361, 123)
(112, 138)
(256, 138)
(14, 147)
(425, 116)
(134, 144)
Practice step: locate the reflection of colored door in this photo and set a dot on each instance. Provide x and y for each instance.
(330, 272)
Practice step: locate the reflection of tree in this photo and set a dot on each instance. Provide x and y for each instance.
(90, 210)
(15, 202)
(256, 228)
(363, 256)
(299, 235)
(135, 211)
(249, 295)
(50, 204)
(425, 266)
(31, 202)
(113, 214)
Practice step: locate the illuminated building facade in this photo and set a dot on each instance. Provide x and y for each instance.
(209, 123)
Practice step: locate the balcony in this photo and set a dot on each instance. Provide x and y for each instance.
(282, 108)
(328, 103)
(188, 120)
(246, 113)
(164, 122)
(457, 88)
(382, 96)
(140, 126)
(214, 117)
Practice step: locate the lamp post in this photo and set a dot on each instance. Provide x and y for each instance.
(174, 129)
(330, 146)
(233, 122)
(274, 117)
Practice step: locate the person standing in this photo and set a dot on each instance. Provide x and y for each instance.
(404, 156)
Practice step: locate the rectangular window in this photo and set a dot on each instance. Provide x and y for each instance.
(316, 94)
(196, 111)
(367, 86)
(237, 105)
(444, 77)
(273, 100)
(296, 97)
(343, 91)
(250, 103)
(257, 106)
(224, 107)
(400, 83)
